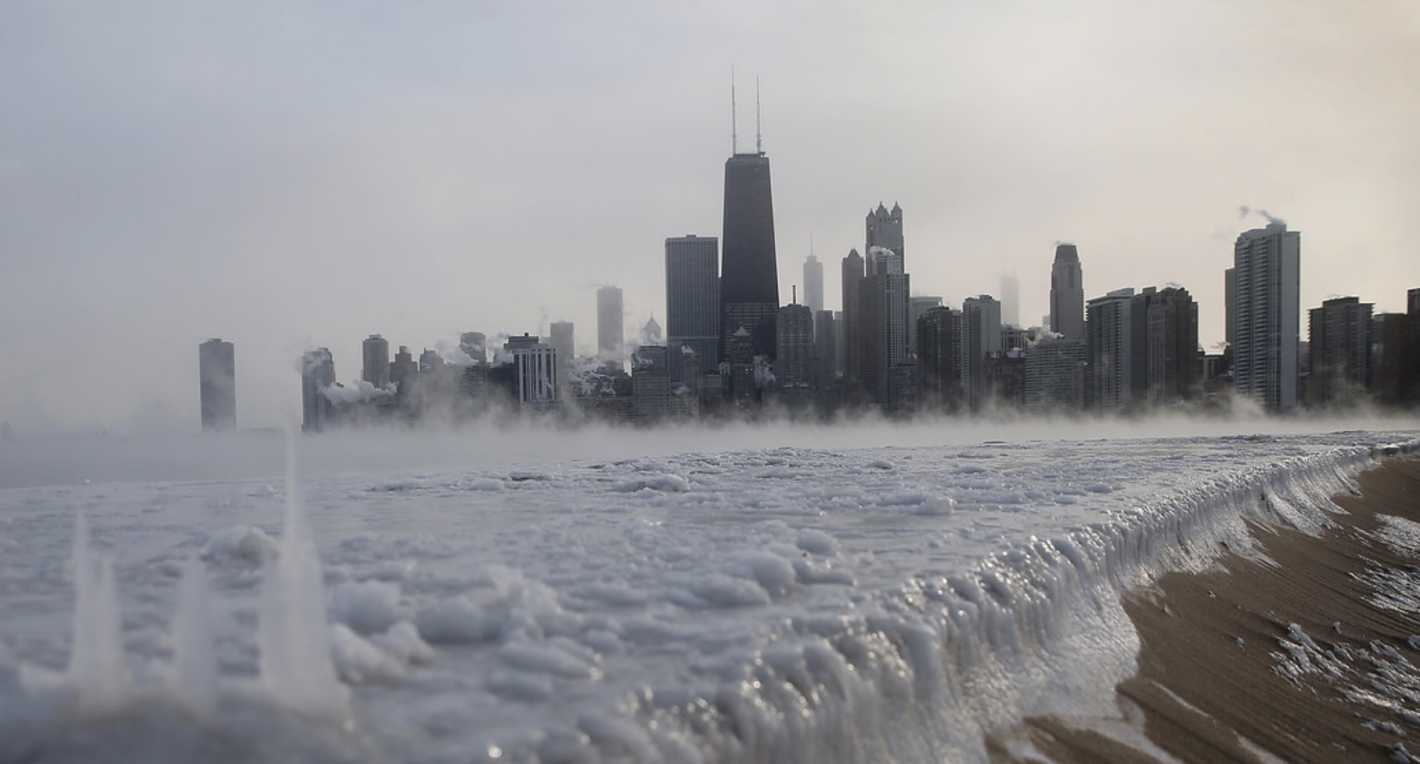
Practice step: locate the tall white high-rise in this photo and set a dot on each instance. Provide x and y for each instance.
(1265, 318)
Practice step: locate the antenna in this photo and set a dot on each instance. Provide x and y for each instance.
(811, 244)
(734, 139)
(796, 293)
(758, 138)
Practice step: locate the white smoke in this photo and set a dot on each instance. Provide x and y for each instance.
(1244, 211)
(355, 392)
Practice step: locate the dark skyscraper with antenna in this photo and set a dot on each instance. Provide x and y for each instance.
(749, 276)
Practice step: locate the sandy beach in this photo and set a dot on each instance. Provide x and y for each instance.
(1307, 651)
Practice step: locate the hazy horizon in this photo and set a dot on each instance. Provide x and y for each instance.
(288, 177)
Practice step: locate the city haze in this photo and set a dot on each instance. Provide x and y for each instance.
(286, 178)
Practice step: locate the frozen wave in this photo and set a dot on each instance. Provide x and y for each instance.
(858, 605)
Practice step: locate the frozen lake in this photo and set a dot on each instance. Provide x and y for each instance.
(773, 604)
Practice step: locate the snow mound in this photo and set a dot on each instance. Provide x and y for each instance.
(239, 544)
(366, 606)
(654, 482)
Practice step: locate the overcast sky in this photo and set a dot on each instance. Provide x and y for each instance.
(290, 174)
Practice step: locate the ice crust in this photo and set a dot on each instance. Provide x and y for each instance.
(764, 605)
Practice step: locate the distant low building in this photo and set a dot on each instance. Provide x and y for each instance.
(534, 371)
(217, 384)
(317, 375)
(1055, 374)
(650, 383)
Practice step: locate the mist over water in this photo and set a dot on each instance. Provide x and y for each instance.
(80, 458)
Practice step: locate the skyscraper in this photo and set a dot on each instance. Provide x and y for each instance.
(475, 346)
(883, 297)
(840, 344)
(1067, 293)
(534, 371)
(1265, 315)
(852, 305)
(564, 343)
(375, 368)
(1172, 346)
(217, 384)
(1055, 374)
(813, 283)
(939, 357)
(403, 371)
(883, 228)
(1340, 350)
(825, 348)
(317, 374)
(611, 333)
(749, 276)
(692, 302)
(1110, 341)
(1010, 299)
(794, 346)
(429, 361)
(650, 383)
(916, 306)
(1229, 284)
(981, 337)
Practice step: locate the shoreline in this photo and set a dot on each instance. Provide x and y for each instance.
(1279, 653)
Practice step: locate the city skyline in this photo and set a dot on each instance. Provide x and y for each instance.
(330, 220)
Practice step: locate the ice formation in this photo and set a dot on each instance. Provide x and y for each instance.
(760, 605)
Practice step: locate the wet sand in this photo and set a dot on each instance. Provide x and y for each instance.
(1258, 660)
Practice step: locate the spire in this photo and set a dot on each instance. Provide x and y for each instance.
(758, 137)
(795, 298)
(734, 138)
(811, 244)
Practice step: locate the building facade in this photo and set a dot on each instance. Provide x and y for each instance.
(650, 383)
(825, 348)
(794, 347)
(749, 275)
(563, 339)
(375, 357)
(692, 301)
(916, 306)
(534, 372)
(317, 374)
(1055, 374)
(981, 337)
(883, 228)
(1340, 353)
(611, 330)
(1265, 315)
(939, 357)
(1067, 293)
(852, 306)
(1110, 339)
(1172, 346)
(813, 283)
(883, 300)
(217, 384)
